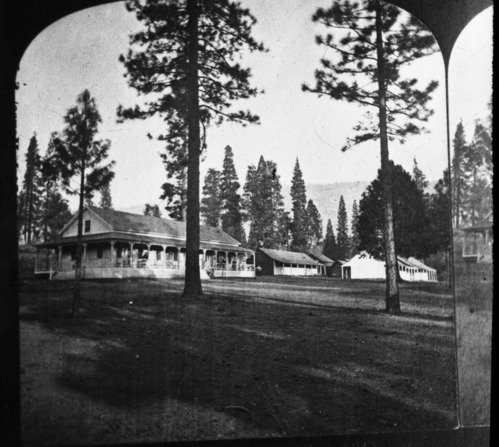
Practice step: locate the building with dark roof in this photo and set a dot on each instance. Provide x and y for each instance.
(281, 262)
(124, 245)
(324, 260)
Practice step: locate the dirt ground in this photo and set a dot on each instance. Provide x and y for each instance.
(254, 358)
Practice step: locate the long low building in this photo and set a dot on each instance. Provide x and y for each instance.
(365, 266)
(281, 262)
(125, 245)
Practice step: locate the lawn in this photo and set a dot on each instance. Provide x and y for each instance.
(254, 358)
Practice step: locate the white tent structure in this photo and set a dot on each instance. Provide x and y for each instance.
(365, 266)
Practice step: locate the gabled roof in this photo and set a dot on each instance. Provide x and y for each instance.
(419, 264)
(405, 262)
(289, 257)
(321, 258)
(135, 223)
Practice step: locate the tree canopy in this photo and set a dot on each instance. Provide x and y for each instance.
(330, 247)
(264, 207)
(299, 225)
(211, 203)
(231, 199)
(342, 239)
(410, 217)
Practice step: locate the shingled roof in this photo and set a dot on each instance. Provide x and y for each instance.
(321, 258)
(289, 257)
(136, 223)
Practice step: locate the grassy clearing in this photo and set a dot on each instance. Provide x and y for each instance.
(267, 357)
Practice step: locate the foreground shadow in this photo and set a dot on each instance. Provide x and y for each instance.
(270, 367)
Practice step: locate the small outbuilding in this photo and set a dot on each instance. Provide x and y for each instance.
(335, 270)
(281, 262)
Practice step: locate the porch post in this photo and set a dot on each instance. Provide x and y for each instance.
(84, 251)
(164, 255)
(131, 254)
(112, 253)
(59, 257)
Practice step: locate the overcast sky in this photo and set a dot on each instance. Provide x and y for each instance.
(81, 51)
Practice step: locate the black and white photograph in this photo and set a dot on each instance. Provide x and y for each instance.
(251, 220)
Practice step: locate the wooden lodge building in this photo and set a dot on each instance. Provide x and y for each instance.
(281, 262)
(125, 245)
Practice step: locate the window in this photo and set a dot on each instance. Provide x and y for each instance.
(119, 252)
(158, 256)
(73, 254)
(99, 251)
(87, 226)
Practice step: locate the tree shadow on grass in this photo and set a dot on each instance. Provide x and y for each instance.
(223, 357)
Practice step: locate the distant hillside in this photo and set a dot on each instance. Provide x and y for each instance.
(327, 198)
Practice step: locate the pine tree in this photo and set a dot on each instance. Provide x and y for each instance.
(330, 248)
(354, 240)
(439, 217)
(106, 202)
(211, 203)
(314, 225)
(410, 217)
(231, 200)
(30, 194)
(187, 58)
(476, 187)
(54, 209)
(264, 207)
(299, 209)
(439, 229)
(370, 44)
(80, 155)
(460, 148)
(152, 210)
(419, 177)
(342, 239)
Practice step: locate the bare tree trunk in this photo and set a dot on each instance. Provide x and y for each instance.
(183, 199)
(75, 305)
(392, 290)
(192, 286)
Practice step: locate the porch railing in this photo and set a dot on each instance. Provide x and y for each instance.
(119, 263)
(233, 267)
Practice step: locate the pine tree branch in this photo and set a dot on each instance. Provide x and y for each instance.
(334, 47)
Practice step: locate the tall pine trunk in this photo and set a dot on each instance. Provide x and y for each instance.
(75, 305)
(392, 290)
(192, 286)
(457, 176)
(30, 214)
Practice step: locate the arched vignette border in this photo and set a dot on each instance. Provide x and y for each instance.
(20, 22)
